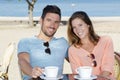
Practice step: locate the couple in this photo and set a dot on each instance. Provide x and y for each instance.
(85, 48)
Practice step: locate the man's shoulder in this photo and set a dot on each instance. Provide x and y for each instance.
(61, 39)
(28, 39)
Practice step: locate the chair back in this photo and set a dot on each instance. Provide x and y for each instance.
(117, 65)
(6, 59)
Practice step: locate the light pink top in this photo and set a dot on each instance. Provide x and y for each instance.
(104, 55)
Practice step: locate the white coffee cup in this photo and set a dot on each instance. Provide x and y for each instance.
(51, 71)
(84, 71)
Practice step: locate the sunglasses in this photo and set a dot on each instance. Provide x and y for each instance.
(47, 50)
(94, 63)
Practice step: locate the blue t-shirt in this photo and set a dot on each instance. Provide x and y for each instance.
(38, 57)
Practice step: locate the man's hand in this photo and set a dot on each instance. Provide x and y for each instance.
(36, 72)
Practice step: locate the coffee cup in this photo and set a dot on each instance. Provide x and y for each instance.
(84, 71)
(51, 71)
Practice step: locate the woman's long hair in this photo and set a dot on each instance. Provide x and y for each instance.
(72, 37)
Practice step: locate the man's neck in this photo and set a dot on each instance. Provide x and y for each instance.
(44, 37)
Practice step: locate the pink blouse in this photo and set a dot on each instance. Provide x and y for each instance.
(104, 56)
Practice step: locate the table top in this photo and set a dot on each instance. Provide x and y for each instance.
(65, 77)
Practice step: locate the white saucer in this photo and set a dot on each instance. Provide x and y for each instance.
(78, 77)
(51, 78)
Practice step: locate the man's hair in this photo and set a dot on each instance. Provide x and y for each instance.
(51, 9)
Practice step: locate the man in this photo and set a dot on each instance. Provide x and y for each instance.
(43, 50)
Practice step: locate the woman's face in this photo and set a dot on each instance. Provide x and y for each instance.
(80, 28)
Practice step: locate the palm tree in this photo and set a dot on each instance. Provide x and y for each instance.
(31, 4)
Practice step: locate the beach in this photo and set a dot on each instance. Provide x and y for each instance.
(18, 29)
(13, 32)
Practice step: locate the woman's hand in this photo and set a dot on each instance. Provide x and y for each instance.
(100, 77)
(104, 76)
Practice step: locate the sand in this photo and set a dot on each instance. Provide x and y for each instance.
(12, 29)
(13, 32)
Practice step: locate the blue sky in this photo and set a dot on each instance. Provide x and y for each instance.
(92, 7)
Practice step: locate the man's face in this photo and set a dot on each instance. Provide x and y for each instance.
(50, 24)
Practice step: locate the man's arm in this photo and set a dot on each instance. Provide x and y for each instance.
(24, 62)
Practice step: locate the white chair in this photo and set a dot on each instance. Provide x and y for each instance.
(5, 62)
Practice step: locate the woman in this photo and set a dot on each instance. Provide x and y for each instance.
(89, 49)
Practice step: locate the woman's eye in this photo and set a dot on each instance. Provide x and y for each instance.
(80, 25)
(73, 27)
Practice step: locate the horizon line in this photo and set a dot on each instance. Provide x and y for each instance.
(64, 18)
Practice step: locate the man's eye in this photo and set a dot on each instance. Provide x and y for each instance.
(57, 22)
(48, 20)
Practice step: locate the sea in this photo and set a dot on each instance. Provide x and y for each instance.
(19, 8)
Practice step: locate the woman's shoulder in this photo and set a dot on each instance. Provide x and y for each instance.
(105, 39)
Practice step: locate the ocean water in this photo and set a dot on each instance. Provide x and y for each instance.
(92, 7)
